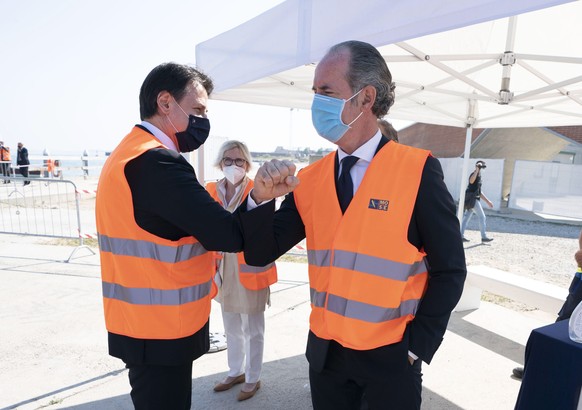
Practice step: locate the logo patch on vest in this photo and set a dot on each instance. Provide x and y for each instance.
(379, 204)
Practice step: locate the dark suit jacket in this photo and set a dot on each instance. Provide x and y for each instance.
(433, 227)
(22, 157)
(169, 202)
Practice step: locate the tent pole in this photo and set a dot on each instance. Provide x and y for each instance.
(471, 117)
(196, 159)
(465, 171)
(201, 165)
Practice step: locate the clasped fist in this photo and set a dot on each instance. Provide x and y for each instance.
(273, 179)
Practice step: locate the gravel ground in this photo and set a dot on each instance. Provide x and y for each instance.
(541, 250)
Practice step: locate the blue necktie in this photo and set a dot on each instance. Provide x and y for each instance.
(345, 186)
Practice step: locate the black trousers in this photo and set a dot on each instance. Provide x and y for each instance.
(5, 169)
(342, 387)
(24, 172)
(161, 387)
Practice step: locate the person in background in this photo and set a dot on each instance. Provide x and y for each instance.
(387, 267)
(474, 190)
(85, 164)
(23, 162)
(157, 229)
(57, 171)
(47, 164)
(5, 161)
(50, 167)
(572, 300)
(388, 130)
(243, 290)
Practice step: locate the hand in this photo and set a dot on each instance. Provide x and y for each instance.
(490, 204)
(274, 178)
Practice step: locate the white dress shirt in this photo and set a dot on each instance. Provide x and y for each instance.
(365, 154)
(159, 134)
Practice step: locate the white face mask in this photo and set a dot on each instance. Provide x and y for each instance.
(233, 173)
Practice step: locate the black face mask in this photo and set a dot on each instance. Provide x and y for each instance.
(195, 135)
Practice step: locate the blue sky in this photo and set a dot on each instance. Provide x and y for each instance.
(71, 71)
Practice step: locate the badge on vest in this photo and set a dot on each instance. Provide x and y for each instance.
(379, 204)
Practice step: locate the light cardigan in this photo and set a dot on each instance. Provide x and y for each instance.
(233, 296)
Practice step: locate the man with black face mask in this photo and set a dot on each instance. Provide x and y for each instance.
(157, 226)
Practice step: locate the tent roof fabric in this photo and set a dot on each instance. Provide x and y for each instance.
(486, 71)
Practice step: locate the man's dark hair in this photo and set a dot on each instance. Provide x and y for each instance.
(367, 67)
(173, 78)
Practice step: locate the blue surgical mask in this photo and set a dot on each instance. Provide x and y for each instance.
(326, 115)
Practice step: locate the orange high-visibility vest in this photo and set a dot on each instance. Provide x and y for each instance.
(4, 153)
(251, 277)
(366, 279)
(153, 288)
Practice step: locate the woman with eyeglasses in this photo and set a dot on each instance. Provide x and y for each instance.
(243, 289)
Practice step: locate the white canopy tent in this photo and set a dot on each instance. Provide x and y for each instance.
(486, 71)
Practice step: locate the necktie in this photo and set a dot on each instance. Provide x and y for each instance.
(345, 186)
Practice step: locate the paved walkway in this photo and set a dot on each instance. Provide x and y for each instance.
(53, 351)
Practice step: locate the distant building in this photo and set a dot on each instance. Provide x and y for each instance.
(552, 144)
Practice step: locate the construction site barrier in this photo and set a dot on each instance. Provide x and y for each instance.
(42, 207)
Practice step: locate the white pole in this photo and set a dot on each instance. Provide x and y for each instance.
(465, 172)
(471, 117)
(291, 128)
(196, 159)
(200, 162)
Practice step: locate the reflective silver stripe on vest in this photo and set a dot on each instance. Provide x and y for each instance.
(146, 249)
(377, 266)
(319, 258)
(367, 264)
(150, 296)
(369, 313)
(255, 269)
(317, 298)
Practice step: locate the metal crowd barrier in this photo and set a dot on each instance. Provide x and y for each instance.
(44, 207)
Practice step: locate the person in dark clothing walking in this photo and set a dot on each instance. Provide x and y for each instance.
(473, 196)
(23, 162)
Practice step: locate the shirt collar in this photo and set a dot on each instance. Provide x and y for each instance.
(365, 152)
(159, 134)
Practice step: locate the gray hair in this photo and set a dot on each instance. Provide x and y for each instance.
(367, 67)
(231, 144)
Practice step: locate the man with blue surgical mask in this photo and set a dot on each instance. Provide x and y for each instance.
(385, 254)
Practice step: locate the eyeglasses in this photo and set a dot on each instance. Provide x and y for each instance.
(239, 162)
